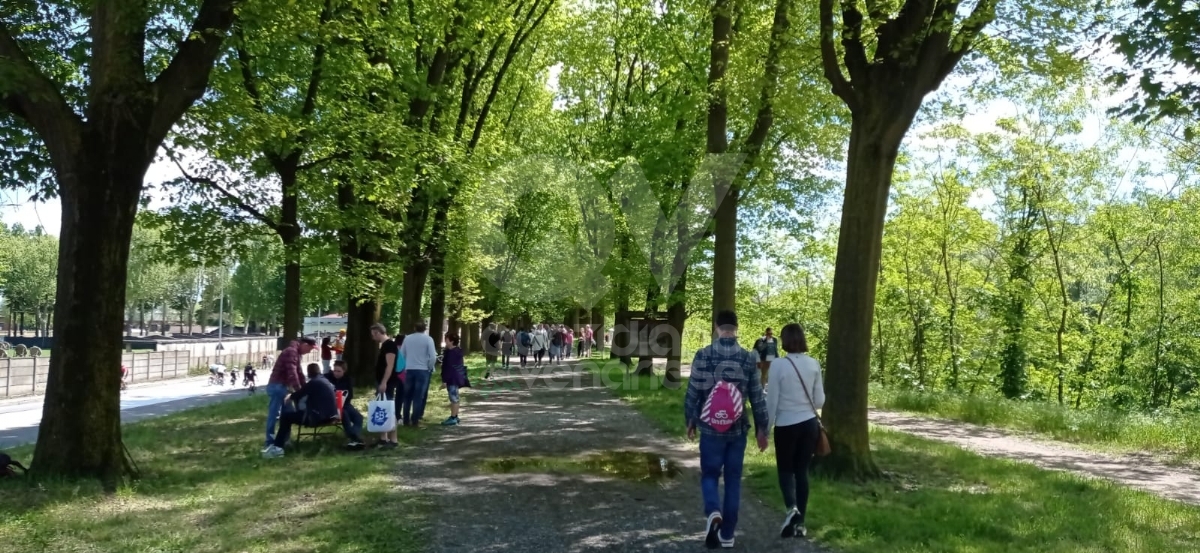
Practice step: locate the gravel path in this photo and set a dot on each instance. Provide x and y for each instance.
(480, 510)
(1135, 470)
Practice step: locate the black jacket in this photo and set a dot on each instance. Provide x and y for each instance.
(345, 384)
(321, 403)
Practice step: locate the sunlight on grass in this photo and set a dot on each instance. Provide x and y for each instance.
(938, 498)
(1176, 436)
(205, 488)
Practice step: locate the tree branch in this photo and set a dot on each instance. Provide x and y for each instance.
(314, 79)
(829, 59)
(527, 28)
(32, 96)
(321, 161)
(913, 16)
(186, 78)
(211, 183)
(246, 64)
(852, 41)
(983, 14)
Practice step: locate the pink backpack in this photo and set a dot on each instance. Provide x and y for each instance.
(723, 408)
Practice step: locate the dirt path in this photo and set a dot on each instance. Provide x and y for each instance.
(1135, 470)
(523, 508)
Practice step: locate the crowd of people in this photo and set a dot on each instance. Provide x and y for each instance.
(724, 377)
(404, 369)
(546, 343)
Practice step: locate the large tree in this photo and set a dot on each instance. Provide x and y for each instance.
(100, 104)
(889, 61)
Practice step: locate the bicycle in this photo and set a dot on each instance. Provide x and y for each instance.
(216, 375)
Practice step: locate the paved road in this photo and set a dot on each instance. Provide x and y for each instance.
(19, 418)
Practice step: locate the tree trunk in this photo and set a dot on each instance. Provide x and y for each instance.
(437, 303)
(475, 345)
(412, 294)
(725, 237)
(455, 326)
(361, 349)
(870, 162)
(597, 323)
(645, 365)
(292, 318)
(80, 431)
(677, 318)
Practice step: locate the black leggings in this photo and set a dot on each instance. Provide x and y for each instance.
(538, 355)
(794, 447)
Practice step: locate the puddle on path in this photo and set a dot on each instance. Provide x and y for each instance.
(626, 465)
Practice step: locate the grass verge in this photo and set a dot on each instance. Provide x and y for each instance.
(204, 488)
(939, 498)
(1175, 436)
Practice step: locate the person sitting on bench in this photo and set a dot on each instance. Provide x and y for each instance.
(321, 407)
(352, 420)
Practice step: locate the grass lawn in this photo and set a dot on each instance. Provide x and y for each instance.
(205, 488)
(938, 498)
(1175, 436)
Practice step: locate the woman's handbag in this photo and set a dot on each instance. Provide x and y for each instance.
(822, 438)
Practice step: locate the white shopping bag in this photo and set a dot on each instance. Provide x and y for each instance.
(381, 415)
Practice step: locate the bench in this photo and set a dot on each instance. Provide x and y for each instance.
(332, 425)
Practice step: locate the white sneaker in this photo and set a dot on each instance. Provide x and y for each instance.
(790, 522)
(727, 544)
(273, 452)
(712, 537)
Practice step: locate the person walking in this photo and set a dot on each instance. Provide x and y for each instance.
(795, 394)
(420, 355)
(767, 348)
(387, 381)
(540, 342)
(454, 376)
(506, 348)
(491, 348)
(285, 379)
(568, 342)
(724, 375)
(524, 344)
(326, 354)
(556, 344)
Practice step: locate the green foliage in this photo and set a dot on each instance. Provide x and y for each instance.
(1158, 43)
(28, 271)
(940, 498)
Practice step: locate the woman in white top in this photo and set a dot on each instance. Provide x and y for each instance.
(795, 394)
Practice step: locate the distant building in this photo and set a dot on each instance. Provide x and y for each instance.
(328, 324)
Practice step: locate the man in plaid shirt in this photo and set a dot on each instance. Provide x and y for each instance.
(724, 452)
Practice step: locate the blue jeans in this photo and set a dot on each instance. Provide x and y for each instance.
(416, 388)
(721, 455)
(352, 422)
(276, 393)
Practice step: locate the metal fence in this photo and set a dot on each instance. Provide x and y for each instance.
(25, 376)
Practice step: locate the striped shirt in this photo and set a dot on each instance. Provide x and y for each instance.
(725, 360)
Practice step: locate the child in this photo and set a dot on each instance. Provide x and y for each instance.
(454, 376)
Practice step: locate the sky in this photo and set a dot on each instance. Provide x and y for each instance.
(15, 206)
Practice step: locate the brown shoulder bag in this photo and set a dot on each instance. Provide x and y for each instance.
(822, 438)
